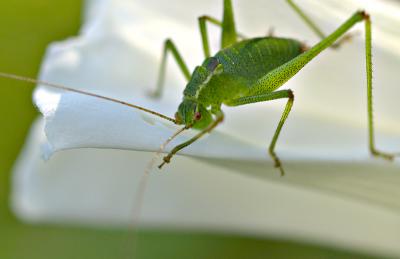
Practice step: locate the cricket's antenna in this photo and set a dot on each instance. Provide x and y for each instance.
(137, 207)
(66, 88)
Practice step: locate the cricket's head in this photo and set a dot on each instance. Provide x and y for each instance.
(193, 114)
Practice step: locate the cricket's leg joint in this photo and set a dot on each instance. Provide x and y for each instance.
(168, 42)
(167, 159)
(274, 157)
(290, 94)
(203, 17)
(364, 14)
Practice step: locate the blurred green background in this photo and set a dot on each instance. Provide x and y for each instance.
(27, 27)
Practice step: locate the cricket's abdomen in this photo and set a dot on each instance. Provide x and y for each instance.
(254, 58)
(243, 64)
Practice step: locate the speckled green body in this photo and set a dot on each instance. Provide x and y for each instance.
(233, 72)
(241, 65)
(247, 69)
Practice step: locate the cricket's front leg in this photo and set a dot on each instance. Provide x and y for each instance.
(218, 120)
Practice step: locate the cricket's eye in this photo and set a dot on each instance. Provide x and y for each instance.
(197, 116)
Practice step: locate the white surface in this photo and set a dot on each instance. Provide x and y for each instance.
(333, 193)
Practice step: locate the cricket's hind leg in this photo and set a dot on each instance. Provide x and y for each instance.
(368, 61)
(169, 46)
(345, 38)
(278, 76)
(269, 96)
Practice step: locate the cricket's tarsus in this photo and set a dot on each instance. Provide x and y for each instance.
(162, 147)
(245, 71)
(384, 155)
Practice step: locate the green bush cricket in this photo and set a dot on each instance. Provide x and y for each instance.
(244, 71)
